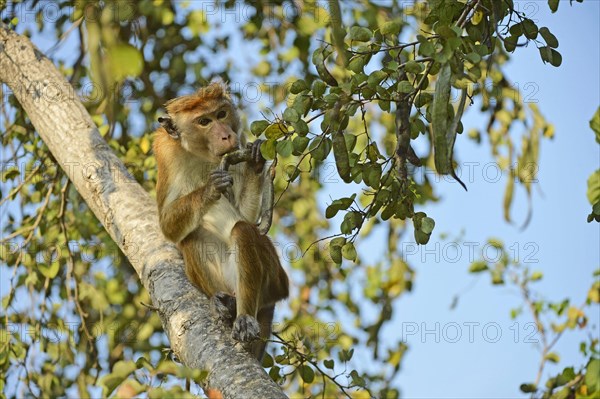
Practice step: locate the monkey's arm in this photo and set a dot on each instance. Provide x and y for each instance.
(181, 216)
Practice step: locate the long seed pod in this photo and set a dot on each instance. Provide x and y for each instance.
(444, 136)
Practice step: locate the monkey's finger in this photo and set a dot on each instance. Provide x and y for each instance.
(223, 182)
(256, 155)
(217, 174)
(227, 180)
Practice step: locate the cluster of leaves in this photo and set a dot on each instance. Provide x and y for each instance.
(593, 191)
(368, 65)
(364, 96)
(552, 320)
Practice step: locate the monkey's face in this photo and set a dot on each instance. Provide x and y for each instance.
(210, 135)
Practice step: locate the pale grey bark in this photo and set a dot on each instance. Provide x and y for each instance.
(130, 217)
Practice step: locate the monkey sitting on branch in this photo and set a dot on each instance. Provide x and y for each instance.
(211, 211)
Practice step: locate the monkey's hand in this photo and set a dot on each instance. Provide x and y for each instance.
(245, 328)
(218, 182)
(223, 306)
(256, 162)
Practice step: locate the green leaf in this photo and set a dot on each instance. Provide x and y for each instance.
(332, 210)
(422, 99)
(346, 355)
(336, 254)
(510, 43)
(357, 63)
(405, 87)
(320, 148)
(300, 127)
(257, 127)
(375, 78)
(284, 148)
(292, 172)
(414, 67)
(550, 39)
(530, 29)
(357, 380)
(302, 104)
(593, 189)
(595, 124)
(275, 131)
(552, 357)
(477, 267)
(291, 115)
(339, 205)
(267, 149)
(274, 373)
(372, 175)
(49, 271)
(497, 277)
(307, 373)
(267, 361)
(536, 276)
(473, 57)
(300, 143)
(426, 49)
(528, 388)
(318, 88)
(125, 61)
(421, 238)
(592, 375)
(389, 211)
(338, 242)
(298, 86)
(10, 174)
(565, 377)
(427, 225)
(445, 31)
(390, 28)
(553, 4)
(349, 252)
(551, 56)
(328, 363)
(351, 221)
(360, 34)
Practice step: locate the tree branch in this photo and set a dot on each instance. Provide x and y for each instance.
(130, 217)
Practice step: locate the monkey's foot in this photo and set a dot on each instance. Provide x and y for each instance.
(245, 328)
(223, 306)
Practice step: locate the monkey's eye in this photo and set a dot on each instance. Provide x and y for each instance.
(204, 121)
(222, 114)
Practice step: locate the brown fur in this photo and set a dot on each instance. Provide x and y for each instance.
(222, 248)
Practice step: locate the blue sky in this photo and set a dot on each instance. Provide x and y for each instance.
(567, 247)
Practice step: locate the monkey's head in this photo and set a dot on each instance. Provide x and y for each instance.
(206, 122)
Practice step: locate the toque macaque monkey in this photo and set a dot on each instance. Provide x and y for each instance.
(225, 255)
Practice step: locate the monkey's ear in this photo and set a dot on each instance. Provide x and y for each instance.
(167, 123)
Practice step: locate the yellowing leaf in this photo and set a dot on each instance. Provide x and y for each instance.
(145, 144)
(477, 17)
(125, 61)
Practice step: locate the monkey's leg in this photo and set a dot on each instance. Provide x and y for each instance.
(250, 276)
(201, 257)
(261, 281)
